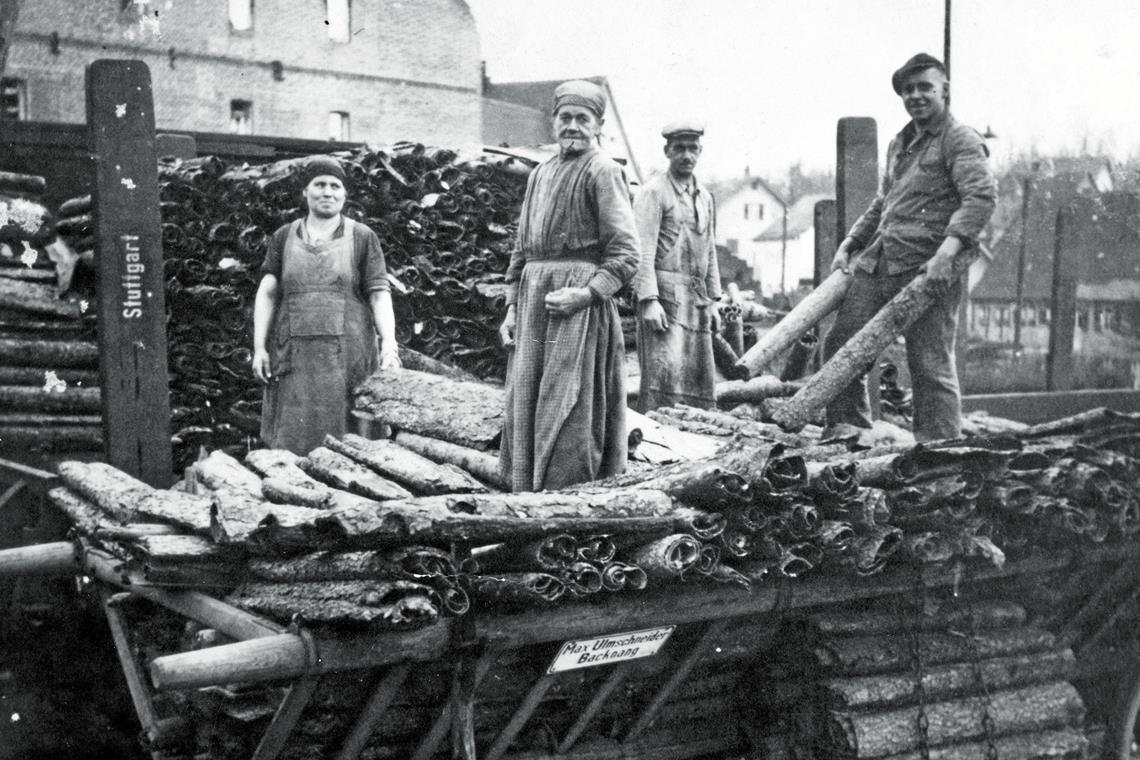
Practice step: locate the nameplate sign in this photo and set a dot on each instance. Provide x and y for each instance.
(606, 650)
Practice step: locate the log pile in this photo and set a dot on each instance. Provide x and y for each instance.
(49, 386)
(910, 678)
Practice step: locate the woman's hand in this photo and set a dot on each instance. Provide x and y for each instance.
(261, 366)
(390, 358)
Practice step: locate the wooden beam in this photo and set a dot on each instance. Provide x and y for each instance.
(676, 678)
(438, 731)
(525, 709)
(378, 703)
(55, 558)
(131, 312)
(132, 671)
(285, 719)
(613, 680)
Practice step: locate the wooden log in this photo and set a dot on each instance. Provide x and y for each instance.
(237, 517)
(30, 184)
(700, 484)
(36, 298)
(71, 400)
(806, 314)
(21, 352)
(220, 470)
(597, 549)
(1060, 744)
(867, 655)
(889, 471)
(863, 348)
(581, 578)
(985, 615)
(128, 499)
(947, 681)
(38, 376)
(517, 588)
(754, 390)
(414, 360)
(58, 438)
(339, 471)
(175, 548)
(418, 473)
(1082, 422)
(834, 482)
(383, 605)
(726, 359)
(666, 557)
(411, 563)
(83, 514)
(750, 458)
(1033, 708)
(27, 275)
(466, 413)
(56, 558)
(280, 464)
(482, 465)
(688, 425)
(49, 420)
(682, 413)
(547, 554)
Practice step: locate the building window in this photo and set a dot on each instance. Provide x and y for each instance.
(241, 15)
(241, 117)
(339, 126)
(338, 17)
(13, 99)
(745, 210)
(759, 210)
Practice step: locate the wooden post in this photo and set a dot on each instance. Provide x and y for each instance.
(1066, 262)
(826, 227)
(856, 185)
(132, 315)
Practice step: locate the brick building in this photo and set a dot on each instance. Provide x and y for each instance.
(359, 70)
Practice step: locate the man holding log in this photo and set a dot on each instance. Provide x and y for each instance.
(678, 281)
(576, 247)
(937, 194)
(324, 297)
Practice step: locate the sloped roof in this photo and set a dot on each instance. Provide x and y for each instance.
(723, 190)
(801, 218)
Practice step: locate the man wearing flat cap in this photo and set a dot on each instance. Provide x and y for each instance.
(937, 194)
(678, 282)
(577, 246)
(323, 300)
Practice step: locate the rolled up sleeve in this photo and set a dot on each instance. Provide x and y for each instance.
(617, 232)
(973, 178)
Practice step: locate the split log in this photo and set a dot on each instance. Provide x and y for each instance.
(48, 353)
(339, 471)
(667, 557)
(1062, 744)
(420, 474)
(754, 390)
(947, 681)
(129, 500)
(1033, 708)
(59, 438)
(36, 376)
(518, 588)
(867, 655)
(470, 414)
(220, 470)
(547, 554)
(386, 605)
(480, 464)
(863, 348)
(238, 517)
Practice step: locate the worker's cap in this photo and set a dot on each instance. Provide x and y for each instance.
(683, 128)
(920, 62)
(321, 166)
(579, 92)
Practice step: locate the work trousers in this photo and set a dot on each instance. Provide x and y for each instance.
(929, 352)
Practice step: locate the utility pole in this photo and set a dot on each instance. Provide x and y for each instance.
(1019, 293)
(946, 40)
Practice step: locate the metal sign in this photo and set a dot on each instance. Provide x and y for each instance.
(606, 650)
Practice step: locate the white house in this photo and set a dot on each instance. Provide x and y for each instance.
(745, 207)
(785, 255)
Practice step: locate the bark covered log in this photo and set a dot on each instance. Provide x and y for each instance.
(518, 588)
(220, 470)
(547, 554)
(983, 615)
(1033, 708)
(83, 513)
(36, 376)
(414, 360)
(339, 471)
(59, 438)
(482, 465)
(385, 605)
(470, 414)
(130, 500)
(1061, 744)
(48, 353)
(36, 298)
(720, 420)
(862, 349)
(666, 557)
(409, 563)
(755, 390)
(237, 516)
(817, 305)
(418, 473)
(700, 484)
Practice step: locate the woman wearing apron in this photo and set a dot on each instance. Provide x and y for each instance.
(323, 299)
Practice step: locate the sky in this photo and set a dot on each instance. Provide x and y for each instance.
(771, 78)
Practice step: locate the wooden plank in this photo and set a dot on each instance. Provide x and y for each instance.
(41, 480)
(288, 713)
(678, 676)
(378, 703)
(131, 311)
(613, 680)
(525, 709)
(11, 491)
(132, 671)
(168, 145)
(1067, 252)
(1041, 407)
(438, 731)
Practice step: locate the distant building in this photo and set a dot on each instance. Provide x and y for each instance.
(376, 71)
(746, 207)
(518, 114)
(785, 256)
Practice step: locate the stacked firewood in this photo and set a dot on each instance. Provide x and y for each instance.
(910, 678)
(49, 390)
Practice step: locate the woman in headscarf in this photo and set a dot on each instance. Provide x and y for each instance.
(324, 297)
